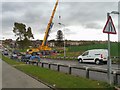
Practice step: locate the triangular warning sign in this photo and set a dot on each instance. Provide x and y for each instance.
(109, 27)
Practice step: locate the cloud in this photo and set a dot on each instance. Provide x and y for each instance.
(78, 13)
(90, 15)
(92, 25)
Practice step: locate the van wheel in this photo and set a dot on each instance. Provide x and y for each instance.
(97, 62)
(80, 60)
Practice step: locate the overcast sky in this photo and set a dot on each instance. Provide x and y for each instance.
(82, 20)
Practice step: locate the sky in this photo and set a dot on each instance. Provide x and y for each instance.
(81, 20)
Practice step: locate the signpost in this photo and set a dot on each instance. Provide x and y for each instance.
(109, 29)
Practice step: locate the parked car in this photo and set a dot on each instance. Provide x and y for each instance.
(25, 57)
(5, 52)
(97, 56)
(15, 54)
(35, 57)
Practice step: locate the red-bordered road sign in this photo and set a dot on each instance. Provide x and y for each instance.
(109, 27)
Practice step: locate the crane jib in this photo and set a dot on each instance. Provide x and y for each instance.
(44, 47)
(51, 25)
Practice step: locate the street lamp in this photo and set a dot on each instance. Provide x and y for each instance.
(64, 40)
(115, 12)
(109, 59)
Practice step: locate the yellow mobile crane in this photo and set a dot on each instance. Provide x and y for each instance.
(44, 46)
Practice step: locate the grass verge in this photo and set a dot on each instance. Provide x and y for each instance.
(58, 79)
(11, 62)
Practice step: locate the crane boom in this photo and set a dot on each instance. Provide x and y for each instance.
(44, 47)
(49, 24)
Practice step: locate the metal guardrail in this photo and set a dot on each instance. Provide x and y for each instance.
(113, 57)
(87, 70)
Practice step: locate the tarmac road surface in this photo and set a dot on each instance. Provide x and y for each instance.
(77, 64)
(13, 78)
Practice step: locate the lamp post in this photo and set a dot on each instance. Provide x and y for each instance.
(64, 40)
(109, 59)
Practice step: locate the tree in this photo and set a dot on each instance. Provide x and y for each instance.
(29, 34)
(23, 35)
(59, 38)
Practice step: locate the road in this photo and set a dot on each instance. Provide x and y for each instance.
(75, 63)
(13, 78)
(82, 73)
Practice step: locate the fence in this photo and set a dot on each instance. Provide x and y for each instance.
(87, 70)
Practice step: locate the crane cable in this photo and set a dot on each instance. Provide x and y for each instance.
(59, 17)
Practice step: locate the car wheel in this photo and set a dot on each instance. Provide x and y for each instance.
(80, 60)
(97, 62)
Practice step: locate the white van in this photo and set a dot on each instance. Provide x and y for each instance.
(97, 56)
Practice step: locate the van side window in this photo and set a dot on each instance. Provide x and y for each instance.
(84, 54)
(97, 54)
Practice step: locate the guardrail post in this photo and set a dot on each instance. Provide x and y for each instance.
(87, 72)
(42, 64)
(37, 63)
(115, 80)
(70, 69)
(58, 67)
(25, 61)
(32, 63)
(49, 65)
(29, 62)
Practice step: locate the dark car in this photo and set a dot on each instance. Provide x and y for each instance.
(25, 57)
(15, 54)
(5, 52)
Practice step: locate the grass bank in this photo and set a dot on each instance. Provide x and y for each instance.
(58, 79)
(11, 62)
(114, 48)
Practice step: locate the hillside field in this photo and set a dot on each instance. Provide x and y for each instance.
(80, 49)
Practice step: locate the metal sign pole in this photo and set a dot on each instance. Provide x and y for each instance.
(64, 45)
(110, 29)
(109, 59)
